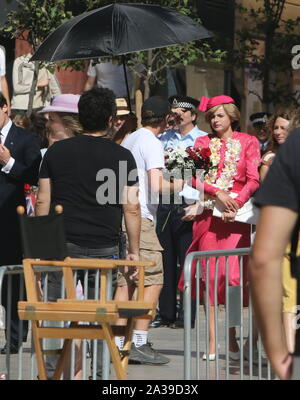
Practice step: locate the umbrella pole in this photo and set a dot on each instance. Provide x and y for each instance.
(126, 81)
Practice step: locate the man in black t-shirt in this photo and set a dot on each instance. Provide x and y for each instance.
(279, 199)
(94, 179)
(87, 174)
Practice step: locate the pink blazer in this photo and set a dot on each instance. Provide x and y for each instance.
(246, 180)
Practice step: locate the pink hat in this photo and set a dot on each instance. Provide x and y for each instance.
(207, 103)
(63, 103)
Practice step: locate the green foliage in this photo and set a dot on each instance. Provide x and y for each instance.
(37, 18)
(158, 60)
(265, 24)
(40, 17)
(33, 21)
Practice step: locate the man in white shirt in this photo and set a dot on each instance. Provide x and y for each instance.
(149, 156)
(3, 82)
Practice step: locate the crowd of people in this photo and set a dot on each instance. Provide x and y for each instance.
(63, 147)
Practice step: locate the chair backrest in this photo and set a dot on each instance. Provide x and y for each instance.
(43, 237)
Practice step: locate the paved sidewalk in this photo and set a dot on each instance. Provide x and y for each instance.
(167, 341)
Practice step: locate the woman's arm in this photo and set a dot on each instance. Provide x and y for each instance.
(252, 160)
(266, 161)
(43, 197)
(263, 172)
(273, 233)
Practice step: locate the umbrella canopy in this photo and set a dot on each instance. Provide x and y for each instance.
(119, 29)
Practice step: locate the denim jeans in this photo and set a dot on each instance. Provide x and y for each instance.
(55, 292)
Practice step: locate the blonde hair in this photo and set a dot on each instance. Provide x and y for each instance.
(71, 123)
(230, 109)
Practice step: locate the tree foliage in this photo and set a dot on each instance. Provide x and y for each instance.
(157, 61)
(264, 28)
(33, 21)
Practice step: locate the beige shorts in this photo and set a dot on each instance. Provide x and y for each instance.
(150, 250)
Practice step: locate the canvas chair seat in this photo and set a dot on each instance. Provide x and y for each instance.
(102, 313)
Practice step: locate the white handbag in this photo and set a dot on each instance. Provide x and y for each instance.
(248, 213)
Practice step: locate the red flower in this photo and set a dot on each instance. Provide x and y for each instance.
(205, 153)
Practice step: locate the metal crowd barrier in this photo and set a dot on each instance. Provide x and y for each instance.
(25, 367)
(233, 314)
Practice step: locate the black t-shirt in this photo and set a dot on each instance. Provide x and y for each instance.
(86, 171)
(281, 186)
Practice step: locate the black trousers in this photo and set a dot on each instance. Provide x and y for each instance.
(175, 237)
(11, 254)
(18, 329)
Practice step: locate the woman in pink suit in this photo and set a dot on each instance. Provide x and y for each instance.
(236, 156)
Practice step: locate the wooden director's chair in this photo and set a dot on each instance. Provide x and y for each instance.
(44, 245)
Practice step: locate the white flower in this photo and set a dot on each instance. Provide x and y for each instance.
(232, 155)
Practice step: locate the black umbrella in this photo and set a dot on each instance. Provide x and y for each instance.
(119, 29)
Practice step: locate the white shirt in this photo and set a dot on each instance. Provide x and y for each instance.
(171, 139)
(2, 63)
(4, 133)
(148, 154)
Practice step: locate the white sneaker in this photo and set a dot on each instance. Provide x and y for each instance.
(211, 357)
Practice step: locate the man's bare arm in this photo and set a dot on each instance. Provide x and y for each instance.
(43, 197)
(132, 219)
(90, 82)
(158, 184)
(272, 236)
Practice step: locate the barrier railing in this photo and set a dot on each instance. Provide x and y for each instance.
(25, 368)
(251, 363)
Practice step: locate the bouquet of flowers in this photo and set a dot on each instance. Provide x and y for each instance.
(184, 163)
(179, 160)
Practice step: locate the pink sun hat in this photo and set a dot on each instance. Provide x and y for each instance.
(63, 103)
(206, 103)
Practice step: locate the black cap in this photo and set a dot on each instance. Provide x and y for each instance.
(184, 102)
(259, 118)
(159, 106)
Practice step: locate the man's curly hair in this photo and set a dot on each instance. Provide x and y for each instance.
(96, 106)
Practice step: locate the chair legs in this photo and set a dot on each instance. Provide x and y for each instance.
(114, 352)
(66, 351)
(120, 365)
(127, 343)
(39, 352)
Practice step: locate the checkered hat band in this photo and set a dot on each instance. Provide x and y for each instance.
(257, 120)
(182, 104)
